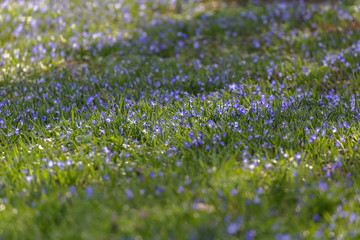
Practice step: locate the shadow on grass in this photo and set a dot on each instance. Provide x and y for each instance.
(174, 47)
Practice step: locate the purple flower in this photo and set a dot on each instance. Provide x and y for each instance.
(281, 236)
(89, 100)
(129, 194)
(233, 228)
(322, 186)
(29, 178)
(345, 125)
(316, 218)
(180, 189)
(318, 234)
(196, 45)
(353, 217)
(181, 44)
(233, 192)
(298, 158)
(256, 44)
(159, 191)
(250, 235)
(72, 190)
(89, 192)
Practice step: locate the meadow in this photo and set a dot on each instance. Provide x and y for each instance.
(165, 119)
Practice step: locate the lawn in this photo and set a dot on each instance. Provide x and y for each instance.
(165, 119)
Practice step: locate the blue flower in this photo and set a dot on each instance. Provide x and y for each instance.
(250, 234)
(89, 192)
(129, 194)
(298, 158)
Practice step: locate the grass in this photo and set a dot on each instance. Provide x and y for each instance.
(164, 120)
